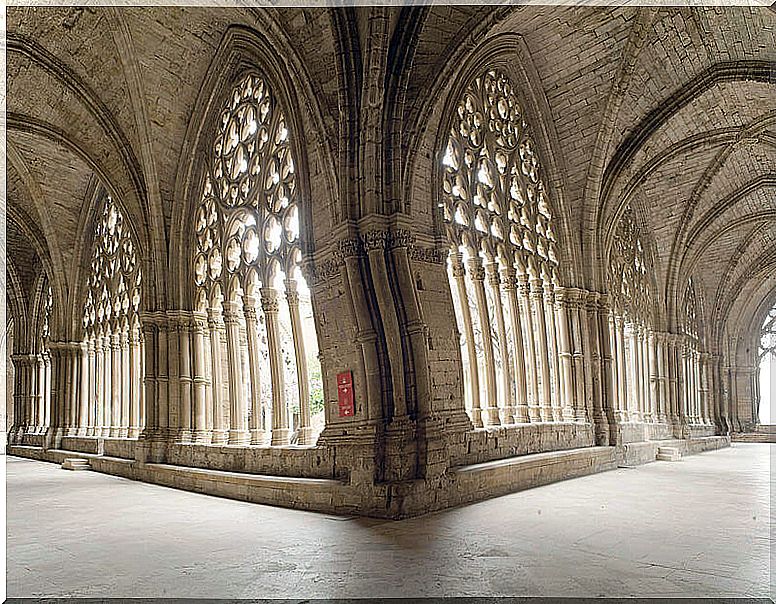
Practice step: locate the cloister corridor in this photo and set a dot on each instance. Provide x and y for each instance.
(706, 534)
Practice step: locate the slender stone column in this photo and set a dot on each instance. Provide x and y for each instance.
(575, 310)
(542, 359)
(459, 274)
(150, 350)
(622, 368)
(215, 321)
(209, 384)
(618, 408)
(305, 427)
(529, 345)
(107, 393)
(258, 435)
(38, 369)
(556, 403)
(135, 386)
(280, 427)
(507, 408)
(565, 355)
(115, 393)
(124, 420)
(97, 376)
(200, 433)
(163, 379)
(22, 393)
(661, 386)
(477, 275)
(184, 375)
(509, 281)
(238, 432)
(646, 376)
(83, 403)
(631, 352)
(47, 392)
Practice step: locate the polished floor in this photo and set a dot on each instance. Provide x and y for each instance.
(695, 528)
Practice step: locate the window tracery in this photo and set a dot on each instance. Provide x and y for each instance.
(503, 249)
(768, 336)
(248, 245)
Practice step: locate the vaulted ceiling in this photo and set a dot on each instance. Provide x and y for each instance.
(670, 110)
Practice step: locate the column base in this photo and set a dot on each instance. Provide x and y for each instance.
(184, 436)
(220, 437)
(114, 432)
(260, 437)
(133, 432)
(546, 413)
(239, 437)
(557, 414)
(201, 437)
(568, 414)
(508, 416)
(522, 414)
(477, 418)
(492, 414)
(305, 436)
(280, 437)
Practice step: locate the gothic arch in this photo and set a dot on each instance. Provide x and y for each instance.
(243, 49)
(509, 54)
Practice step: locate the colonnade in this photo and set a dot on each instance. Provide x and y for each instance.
(522, 341)
(31, 395)
(658, 377)
(220, 374)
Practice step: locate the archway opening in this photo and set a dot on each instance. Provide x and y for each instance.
(767, 369)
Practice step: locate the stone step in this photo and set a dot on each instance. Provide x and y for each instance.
(76, 463)
(668, 454)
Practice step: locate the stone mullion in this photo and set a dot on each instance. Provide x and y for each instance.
(529, 345)
(209, 384)
(150, 349)
(280, 427)
(575, 310)
(258, 435)
(542, 360)
(305, 421)
(614, 369)
(477, 275)
(99, 392)
(36, 391)
(704, 388)
(567, 397)
(83, 402)
(656, 361)
(20, 390)
(238, 433)
(47, 392)
(508, 406)
(697, 387)
(125, 381)
(556, 403)
(73, 364)
(216, 324)
(509, 280)
(675, 369)
(631, 354)
(622, 369)
(185, 377)
(647, 375)
(459, 274)
(115, 393)
(200, 433)
(106, 385)
(135, 383)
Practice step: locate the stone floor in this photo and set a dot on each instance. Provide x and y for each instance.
(698, 527)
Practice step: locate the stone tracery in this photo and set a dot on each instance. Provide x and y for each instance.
(503, 259)
(247, 270)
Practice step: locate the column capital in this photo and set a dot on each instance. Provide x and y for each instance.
(269, 300)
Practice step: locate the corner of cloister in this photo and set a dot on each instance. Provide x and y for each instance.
(385, 261)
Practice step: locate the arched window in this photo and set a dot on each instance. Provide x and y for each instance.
(502, 264)
(265, 375)
(632, 342)
(111, 319)
(767, 359)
